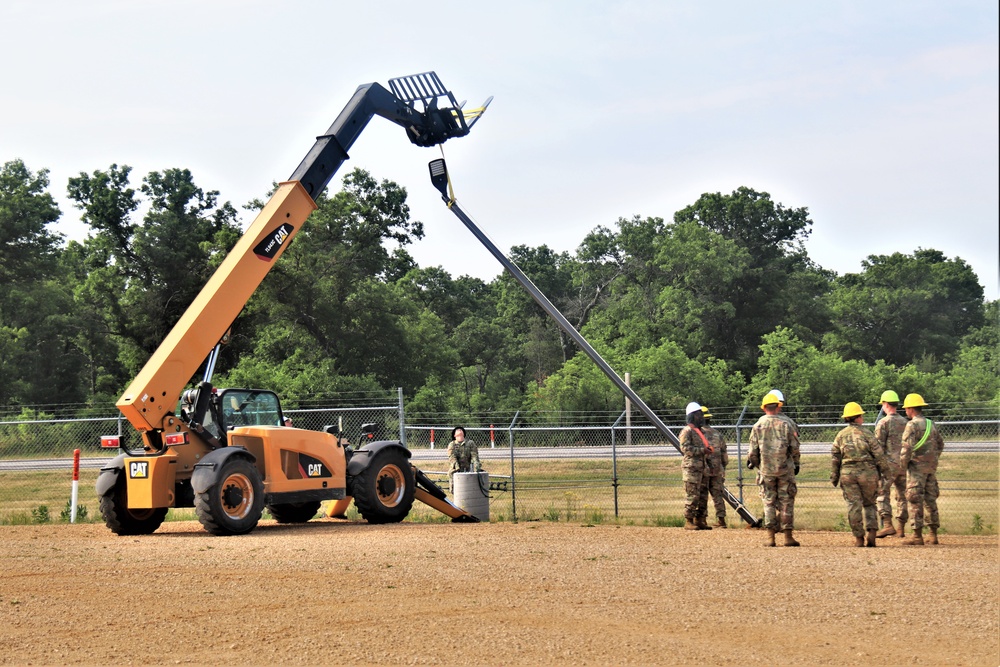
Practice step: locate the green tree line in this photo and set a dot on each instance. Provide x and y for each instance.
(718, 304)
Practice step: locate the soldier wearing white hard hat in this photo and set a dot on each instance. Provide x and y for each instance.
(694, 447)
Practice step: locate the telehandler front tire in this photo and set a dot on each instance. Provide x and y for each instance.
(122, 520)
(294, 512)
(232, 505)
(383, 492)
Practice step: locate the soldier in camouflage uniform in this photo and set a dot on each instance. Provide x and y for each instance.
(774, 451)
(463, 455)
(714, 477)
(889, 433)
(919, 455)
(858, 463)
(694, 446)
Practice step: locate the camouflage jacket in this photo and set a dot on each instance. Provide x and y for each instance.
(693, 449)
(925, 459)
(774, 446)
(857, 450)
(889, 433)
(463, 456)
(716, 460)
(791, 422)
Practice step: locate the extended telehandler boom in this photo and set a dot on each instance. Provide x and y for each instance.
(227, 452)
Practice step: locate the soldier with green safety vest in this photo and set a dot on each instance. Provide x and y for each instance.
(889, 433)
(919, 455)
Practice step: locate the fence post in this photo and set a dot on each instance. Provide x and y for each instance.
(739, 453)
(614, 458)
(402, 417)
(513, 486)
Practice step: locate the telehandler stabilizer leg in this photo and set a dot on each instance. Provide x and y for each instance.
(457, 514)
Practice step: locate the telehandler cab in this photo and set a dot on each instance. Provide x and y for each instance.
(227, 452)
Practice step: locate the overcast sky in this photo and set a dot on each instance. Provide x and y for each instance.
(879, 117)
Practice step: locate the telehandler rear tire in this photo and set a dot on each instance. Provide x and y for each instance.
(294, 512)
(235, 500)
(383, 492)
(124, 521)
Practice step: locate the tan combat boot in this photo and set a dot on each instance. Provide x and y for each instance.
(870, 542)
(690, 525)
(900, 529)
(915, 539)
(933, 539)
(859, 541)
(789, 540)
(720, 522)
(887, 528)
(770, 538)
(702, 523)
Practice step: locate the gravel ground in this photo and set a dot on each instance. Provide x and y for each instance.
(500, 594)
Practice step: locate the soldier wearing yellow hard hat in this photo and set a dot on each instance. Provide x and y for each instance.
(889, 434)
(774, 451)
(857, 463)
(919, 455)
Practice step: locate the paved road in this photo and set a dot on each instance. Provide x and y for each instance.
(441, 454)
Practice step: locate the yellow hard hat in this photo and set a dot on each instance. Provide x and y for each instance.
(914, 401)
(852, 409)
(705, 413)
(769, 399)
(889, 396)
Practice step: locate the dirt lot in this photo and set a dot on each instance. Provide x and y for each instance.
(530, 593)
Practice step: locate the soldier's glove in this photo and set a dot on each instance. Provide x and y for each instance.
(796, 468)
(750, 464)
(834, 479)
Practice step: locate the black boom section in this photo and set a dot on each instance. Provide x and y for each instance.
(415, 104)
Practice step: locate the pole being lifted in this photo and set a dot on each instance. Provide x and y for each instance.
(439, 177)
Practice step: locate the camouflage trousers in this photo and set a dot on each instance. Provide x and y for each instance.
(713, 487)
(695, 494)
(922, 492)
(898, 485)
(859, 488)
(778, 494)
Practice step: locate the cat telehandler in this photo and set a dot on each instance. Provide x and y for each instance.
(228, 452)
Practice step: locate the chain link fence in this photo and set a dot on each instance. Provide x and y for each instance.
(567, 467)
(589, 467)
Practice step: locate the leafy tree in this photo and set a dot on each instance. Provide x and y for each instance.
(28, 250)
(665, 377)
(902, 308)
(141, 277)
(39, 363)
(778, 285)
(338, 299)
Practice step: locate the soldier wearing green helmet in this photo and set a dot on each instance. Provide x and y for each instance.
(889, 434)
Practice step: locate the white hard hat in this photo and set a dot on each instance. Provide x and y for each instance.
(778, 394)
(692, 407)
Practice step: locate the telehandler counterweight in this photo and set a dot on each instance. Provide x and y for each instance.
(226, 452)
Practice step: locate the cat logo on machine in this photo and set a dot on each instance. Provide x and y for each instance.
(138, 470)
(268, 248)
(312, 467)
